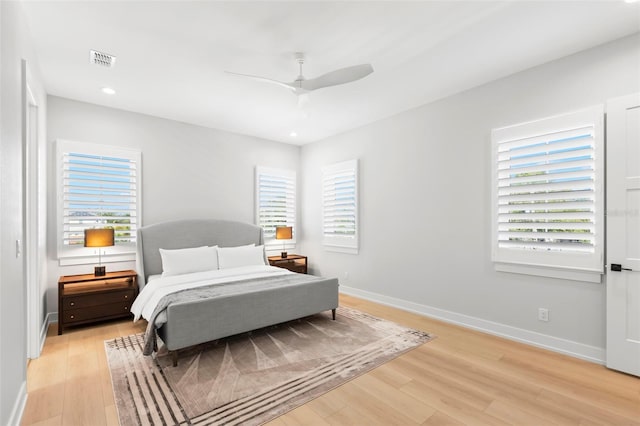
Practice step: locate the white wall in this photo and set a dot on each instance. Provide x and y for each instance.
(187, 171)
(15, 45)
(425, 204)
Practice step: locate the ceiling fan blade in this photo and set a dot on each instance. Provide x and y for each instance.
(334, 78)
(266, 80)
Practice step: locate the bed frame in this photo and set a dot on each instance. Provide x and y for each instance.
(192, 323)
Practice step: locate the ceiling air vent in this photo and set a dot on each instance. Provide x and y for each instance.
(100, 58)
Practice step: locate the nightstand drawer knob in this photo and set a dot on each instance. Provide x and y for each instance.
(126, 296)
(72, 303)
(126, 308)
(73, 316)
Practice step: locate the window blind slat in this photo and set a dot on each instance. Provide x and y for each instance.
(559, 226)
(545, 137)
(558, 246)
(515, 163)
(550, 147)
(534, 189)
(551, 206)
(586, 216)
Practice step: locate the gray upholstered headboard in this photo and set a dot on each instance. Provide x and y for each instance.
(179, 234)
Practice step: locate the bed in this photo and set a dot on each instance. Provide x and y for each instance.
(244, 305)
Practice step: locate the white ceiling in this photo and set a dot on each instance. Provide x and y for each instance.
(171, 55)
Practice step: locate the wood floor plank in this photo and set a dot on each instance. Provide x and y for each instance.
(513, 414)
(44, 403)
(374, 409)
(462, 377)
(449, 403)
(405, 404)
(328, 404)
(303, 416)
(585, 412)
(53, 421)
(441, 419)
(83, 403)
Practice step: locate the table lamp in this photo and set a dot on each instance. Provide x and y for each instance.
(284, 233)
(99, 238)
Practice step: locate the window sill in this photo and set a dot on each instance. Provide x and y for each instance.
(542, 271)
(93, 259)
(340, 249)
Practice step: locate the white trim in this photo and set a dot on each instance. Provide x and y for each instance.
(18, 407)
(30, 201)
(340, 249)
(567, 347)
(545, 271)
(50, 318)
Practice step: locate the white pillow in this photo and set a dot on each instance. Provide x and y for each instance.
(234, 257)
(185, 261)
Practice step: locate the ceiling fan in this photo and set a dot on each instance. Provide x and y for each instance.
(302, 86)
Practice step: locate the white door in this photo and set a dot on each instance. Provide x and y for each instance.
(623, 234)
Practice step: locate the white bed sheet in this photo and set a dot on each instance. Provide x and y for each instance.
(156, 289)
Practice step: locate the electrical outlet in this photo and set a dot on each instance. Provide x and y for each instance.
(543, 314)
(346, 276)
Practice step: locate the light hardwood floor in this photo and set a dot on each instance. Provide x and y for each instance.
(461, 377)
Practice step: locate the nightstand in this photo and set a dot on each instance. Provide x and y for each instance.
(292, 262)
(85, 299)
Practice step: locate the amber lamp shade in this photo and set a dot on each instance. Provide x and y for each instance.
(99, 238)
(284, 233)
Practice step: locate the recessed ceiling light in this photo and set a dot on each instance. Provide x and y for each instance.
(108, 91)
(293, 134)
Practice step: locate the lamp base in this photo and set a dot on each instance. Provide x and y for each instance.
(283, 255)
(100, 271)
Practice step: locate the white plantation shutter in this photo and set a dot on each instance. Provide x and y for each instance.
(340, 207)
(98, 187)
(276, 203)
(548, 198)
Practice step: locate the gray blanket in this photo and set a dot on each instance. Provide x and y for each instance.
(217, 290)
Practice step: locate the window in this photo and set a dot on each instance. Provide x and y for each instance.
(276, 204)
(548, 196)
(98, 187)
(340, 207)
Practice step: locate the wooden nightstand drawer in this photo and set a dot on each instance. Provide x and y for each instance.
(97, 312)
(97, 299)
(295, 267)
(292, 262)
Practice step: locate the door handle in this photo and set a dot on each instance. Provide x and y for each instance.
(618, 267)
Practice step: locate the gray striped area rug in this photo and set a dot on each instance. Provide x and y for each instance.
(254, 377)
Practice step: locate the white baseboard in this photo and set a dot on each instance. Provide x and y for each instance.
(556, 344)
(18, 408)
(48, 320)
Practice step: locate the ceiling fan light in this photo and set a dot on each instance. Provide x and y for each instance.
(303, 100)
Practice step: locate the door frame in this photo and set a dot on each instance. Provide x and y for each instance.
(30, 203)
